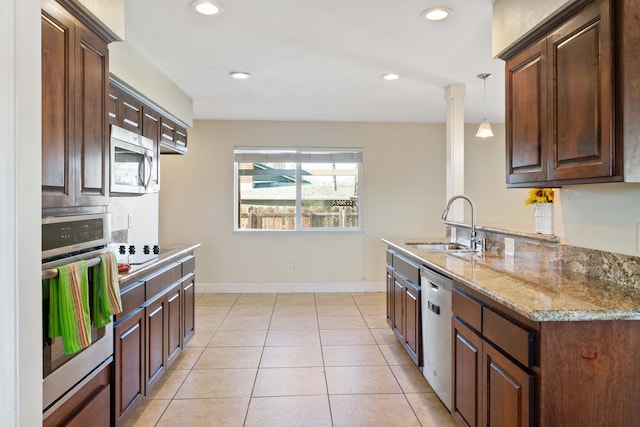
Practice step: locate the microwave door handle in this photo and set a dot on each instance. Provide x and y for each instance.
(149, 160)
(141, 171)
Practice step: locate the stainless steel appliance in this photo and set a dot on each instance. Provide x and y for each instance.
(436, 332)
(132, 163)
(66, 240)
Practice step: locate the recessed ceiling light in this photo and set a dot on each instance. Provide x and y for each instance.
(390, 76)
(240, 75)
(437, 13)
(206, 7)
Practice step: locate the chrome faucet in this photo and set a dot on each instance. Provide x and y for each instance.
(473, 241)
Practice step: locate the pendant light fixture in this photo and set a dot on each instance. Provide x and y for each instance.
(484, 130)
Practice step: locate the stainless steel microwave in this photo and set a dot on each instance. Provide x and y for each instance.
(133, 166)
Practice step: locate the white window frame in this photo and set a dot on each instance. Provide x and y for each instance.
(298, 156)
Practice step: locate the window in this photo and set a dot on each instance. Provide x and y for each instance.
(297, 189)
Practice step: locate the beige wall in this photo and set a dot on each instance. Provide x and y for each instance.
(129, 65)
(512, 19)
(109, 12)
(403, 195)
(597, 216)
(601, 216)
(485, 183)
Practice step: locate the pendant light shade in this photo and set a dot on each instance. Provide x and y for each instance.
(484, 130)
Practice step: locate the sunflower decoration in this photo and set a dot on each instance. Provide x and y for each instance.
(539, 195)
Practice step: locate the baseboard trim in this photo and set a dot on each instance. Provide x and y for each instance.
(269, 288)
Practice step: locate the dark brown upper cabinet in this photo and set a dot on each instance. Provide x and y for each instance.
(560, 103)
(125, 111)
(133, 111)
(75, 156)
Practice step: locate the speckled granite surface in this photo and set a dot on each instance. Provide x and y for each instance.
(175, 251)
(544, 281)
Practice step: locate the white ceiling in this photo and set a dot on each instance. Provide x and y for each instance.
(322, 60)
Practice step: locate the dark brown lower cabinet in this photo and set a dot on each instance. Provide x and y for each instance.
(129, 367)
(403, 303)
(390, 307)
(508, 390)
(398, 306)
(174, 322)
(158, 319)
(467, 357)
(89, 406)
(155, 340)
(412, 320)
(489, 389)
(188, 302)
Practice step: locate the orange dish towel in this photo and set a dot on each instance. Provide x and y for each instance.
(69, 307)
(106, 290)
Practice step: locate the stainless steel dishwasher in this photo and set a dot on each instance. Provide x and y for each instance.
(436, 332)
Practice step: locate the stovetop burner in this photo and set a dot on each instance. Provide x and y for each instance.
(134, 254)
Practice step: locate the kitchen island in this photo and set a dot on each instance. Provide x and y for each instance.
(535, 342)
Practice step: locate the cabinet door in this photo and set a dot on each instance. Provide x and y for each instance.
(398, 306)
(390, 305)
(155, 341)
(466, 361)
(167, 131)
(131, 111)
(113, 106)
(181, 137)
(507, 391)
(582, 96)
(129, 364)
(57, 128)
(412, 321)
(174, 324)
(188, 312)
(91, 134)
(526, 115)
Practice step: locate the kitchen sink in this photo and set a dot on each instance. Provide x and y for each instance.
(437, 246)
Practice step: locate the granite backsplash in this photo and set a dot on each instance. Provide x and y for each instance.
(619, 269)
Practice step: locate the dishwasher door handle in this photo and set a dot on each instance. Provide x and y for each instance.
(433, 307)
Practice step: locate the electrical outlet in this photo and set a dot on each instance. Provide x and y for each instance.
(452, 234)
(289, 268)
(509, 246)
(130, 221)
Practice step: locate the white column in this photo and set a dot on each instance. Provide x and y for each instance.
(454, 95)
(20, 214)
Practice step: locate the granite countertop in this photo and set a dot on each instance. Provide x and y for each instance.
(174, 252)
(538, 291)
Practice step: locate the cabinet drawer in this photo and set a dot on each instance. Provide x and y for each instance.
(516, 341)
(188, 265)
(132, 297)
(390, 257)
(467, 309)
(163, 279)
(407, 268)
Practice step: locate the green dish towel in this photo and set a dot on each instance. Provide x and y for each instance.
(69, 307)
(106, 290)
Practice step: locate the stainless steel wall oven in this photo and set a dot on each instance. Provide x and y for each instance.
(66, 240)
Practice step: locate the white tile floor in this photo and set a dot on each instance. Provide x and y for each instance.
(292, 360)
